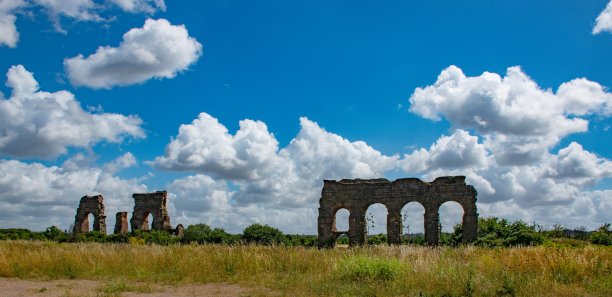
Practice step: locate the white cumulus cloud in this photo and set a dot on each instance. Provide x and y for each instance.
(43, 125)
(157, 50)
(516, 174)
(519, 120)
(8, 31)
(35, 196)
(604, 20)
(248, 179)
(124, 161)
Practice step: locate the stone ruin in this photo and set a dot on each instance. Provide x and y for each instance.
(90, 205)
(356, 195)
(154, 204)
(144, 204)
(121, 223)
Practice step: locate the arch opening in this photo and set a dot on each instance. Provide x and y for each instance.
(342, 240)
(413, 223)
(147, 222)
(376, 223)
(451, 217)
(90, 222)
(341, 220)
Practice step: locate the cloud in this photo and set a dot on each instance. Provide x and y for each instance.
(245, 178)
(35, 196)
(205, 145)
(126, 160)
(43, 125)
(460, 150)
(145, 6)
(8, 31)
(157, 50)
(604, 20)
(519, 121)
(516, 174)
(82, 10)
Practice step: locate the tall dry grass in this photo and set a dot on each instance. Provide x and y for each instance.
(296, 271)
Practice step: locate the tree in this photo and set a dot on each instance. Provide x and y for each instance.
(263, 234)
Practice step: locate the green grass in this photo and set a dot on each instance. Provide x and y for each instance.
(299, 271)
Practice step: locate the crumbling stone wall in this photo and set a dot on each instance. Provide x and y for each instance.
(121, 223)
(154, 204)
(357, 195)
(90, 205)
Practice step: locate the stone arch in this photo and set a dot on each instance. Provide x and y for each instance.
(446, 223)
(339, 214)
(372, 221)
(411, 212)
(357, 194)
(93, 205)
(154, 204)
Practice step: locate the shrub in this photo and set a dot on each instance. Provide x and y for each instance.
(602, 236)
(493, 232)
(202, 233)
(263, 234)
(198, 233)
(377, 239)
(55, 234)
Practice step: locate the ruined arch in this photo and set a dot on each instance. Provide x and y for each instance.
(357, 194)
(93, 205)
(154, 204)
(413, 218)
(376, 225)
(339, 214)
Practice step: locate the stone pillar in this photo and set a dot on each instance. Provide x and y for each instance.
(432, 222)
(357, 232)
(394, 226)
(121, 223)
(325, 227)
(470, 223)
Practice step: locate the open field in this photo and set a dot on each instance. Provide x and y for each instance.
(299, 271)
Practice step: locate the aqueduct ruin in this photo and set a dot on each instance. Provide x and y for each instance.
(144, 204)
(90, 205)
(356, 195)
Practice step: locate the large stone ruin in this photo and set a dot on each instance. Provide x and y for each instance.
(90, 205)
(357, 195)
(154, 204)
(144, 204)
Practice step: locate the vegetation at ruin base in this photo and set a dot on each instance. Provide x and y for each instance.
(301, 271)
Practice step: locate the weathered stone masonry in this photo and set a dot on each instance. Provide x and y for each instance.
(154, 204)
(90, 205)
(357, 195)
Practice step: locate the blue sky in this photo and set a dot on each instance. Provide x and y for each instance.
(352, 69)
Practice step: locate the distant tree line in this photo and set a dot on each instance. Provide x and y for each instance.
(492, 232)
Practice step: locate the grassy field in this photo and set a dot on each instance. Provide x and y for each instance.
(298, 271)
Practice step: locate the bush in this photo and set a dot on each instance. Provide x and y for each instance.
(493, 232)
(263, 234)
(202, 233)
(377, 239)
(368, 269)
(198, 233)
(55, 234)
(602, 236)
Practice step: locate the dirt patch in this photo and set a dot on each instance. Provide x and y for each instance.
(13, 287)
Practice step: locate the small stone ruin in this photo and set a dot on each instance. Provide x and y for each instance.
(121, 223)
(90, 205)
(356, 195)
(144, 204)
